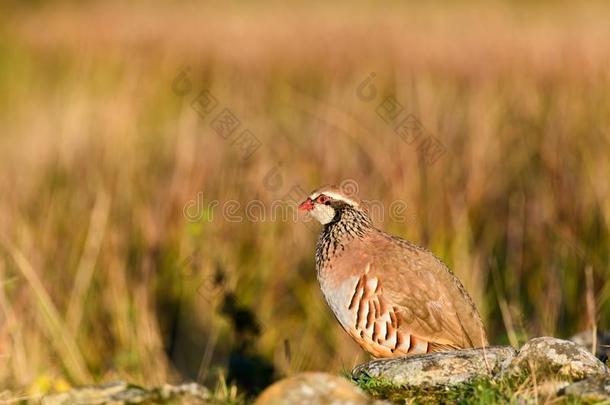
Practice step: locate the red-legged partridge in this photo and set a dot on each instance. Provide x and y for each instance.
(394, 298)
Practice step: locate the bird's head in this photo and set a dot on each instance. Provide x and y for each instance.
(327, 203)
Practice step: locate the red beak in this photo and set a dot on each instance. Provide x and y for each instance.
(306, 205)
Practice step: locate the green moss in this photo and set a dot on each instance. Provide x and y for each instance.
(480, 391)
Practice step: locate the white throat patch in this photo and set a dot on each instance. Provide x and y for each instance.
(323, 213)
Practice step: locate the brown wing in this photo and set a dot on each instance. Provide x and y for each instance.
(428, 299)
(403, 300)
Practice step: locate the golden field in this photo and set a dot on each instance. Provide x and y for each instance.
(119, 260)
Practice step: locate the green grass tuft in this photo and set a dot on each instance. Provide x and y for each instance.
(480, 391)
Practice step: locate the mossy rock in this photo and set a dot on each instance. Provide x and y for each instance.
(549, 357)
(438, 369)
(119, 392)
(592, 389)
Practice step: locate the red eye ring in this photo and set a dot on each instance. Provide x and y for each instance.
(322, 199)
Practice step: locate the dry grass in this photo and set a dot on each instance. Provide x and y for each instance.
(103, 277)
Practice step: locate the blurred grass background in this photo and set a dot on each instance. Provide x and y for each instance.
(103, 277)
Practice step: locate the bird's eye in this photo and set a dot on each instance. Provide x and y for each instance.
(322, 199)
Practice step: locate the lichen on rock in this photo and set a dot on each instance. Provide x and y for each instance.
(120, 392)
(438, 369)
(595, 388)
(557, 358)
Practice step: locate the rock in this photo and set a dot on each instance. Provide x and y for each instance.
(438, 369)
(596, 388)
(602, 346)
(552, 357)
(123, 393)
(314, 388)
